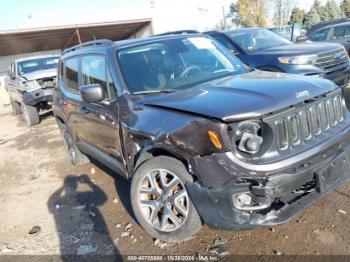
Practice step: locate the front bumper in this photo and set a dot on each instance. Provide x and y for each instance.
(340, 75)
(286, 192)
(35, 97)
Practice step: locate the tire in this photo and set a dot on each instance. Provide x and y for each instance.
(188, 224)
(31, 114)
(76, 157)
(16, 107)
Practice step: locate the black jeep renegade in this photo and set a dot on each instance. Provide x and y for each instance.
(203, 138)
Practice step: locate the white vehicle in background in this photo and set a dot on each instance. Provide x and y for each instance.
(30, 85)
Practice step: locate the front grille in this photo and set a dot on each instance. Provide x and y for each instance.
(327, 60)
(309, 122)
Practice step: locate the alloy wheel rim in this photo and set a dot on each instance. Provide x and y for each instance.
(163, 200)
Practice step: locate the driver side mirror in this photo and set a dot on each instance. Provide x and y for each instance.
(301, 38)
(12, 77)
(91, 93)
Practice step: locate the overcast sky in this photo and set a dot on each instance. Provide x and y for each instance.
(167, 14)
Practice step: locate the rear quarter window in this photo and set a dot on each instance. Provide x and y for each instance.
(71, 74)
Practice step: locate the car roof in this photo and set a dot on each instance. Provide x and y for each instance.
(243, 29)
(35, 57)
(123, 43)
(131, 42)
(338, 24)
(328, 24)
(236, 30)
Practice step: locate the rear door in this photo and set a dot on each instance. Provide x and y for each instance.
(70, 99)
(100, 120)
(341, 35)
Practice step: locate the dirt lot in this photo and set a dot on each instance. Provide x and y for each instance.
(88, 208)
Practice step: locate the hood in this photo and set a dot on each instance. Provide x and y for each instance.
(298, 49)
(243, 96)
(40, 74)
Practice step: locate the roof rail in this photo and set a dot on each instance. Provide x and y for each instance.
(105, 42)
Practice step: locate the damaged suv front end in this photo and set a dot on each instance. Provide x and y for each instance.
(278, 164)
(262, 146)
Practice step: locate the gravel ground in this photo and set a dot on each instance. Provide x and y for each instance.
(49, 207)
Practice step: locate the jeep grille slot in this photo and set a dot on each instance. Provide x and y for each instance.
(327, 60)
(282, 134)
(309, 122)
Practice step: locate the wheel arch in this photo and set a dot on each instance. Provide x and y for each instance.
(150, 152)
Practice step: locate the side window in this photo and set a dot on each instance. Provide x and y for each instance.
(94, 72)
(320, 35)
(341, 32)
(71, 80)
(225, 42)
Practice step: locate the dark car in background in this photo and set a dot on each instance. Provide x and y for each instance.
(265, 50)
(30, 84)
(202, 137)
(336, 31)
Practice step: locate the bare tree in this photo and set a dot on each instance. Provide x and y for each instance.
(283, 10)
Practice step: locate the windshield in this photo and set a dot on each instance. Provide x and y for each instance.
(255, 39)
(29, 66)
(172, 64)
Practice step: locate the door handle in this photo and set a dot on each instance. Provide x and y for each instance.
(85, 110)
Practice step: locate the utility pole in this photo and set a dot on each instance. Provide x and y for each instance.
(224, 17)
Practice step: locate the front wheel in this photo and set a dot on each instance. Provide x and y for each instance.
(16, 107)
(31, 114)
(160, 200)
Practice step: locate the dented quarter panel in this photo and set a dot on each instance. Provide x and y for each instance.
(182, 134)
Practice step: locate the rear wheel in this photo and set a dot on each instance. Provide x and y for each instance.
(16, 107)
(31, 114)
(160, 200)
(76, 157)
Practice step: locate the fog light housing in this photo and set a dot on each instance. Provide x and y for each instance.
(247, 202)
(244, 199)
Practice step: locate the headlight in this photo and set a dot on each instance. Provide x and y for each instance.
(298, 60)
(247, 137)
(31, 86)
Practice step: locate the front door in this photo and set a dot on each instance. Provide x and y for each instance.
(13, 82)
(100, 123)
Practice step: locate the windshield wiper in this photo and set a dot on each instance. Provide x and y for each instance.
(150, 91)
